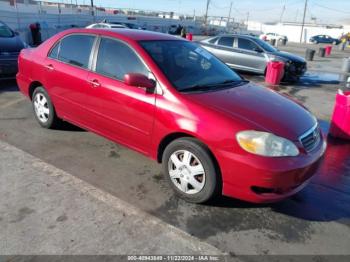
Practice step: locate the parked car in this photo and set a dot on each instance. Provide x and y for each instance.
(251, 54)
(170, 99)
(324, 39)
(175, 29)
(270, 36)
(10, 46)
(128, 25)
(106, 25)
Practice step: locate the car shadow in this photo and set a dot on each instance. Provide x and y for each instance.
(309, 80)
(66, 126)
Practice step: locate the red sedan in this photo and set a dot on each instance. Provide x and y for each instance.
(173, 101)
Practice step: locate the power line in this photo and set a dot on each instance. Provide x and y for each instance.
(217, 6)
(330, 8)
(283, 10)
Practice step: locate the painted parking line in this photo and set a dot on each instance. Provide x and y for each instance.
(12, 102)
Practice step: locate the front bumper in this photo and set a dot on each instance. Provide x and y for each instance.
(8, 67)
(264, 180)
(295, 70)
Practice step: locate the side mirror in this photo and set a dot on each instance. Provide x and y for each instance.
(16, 33)
(140, 80)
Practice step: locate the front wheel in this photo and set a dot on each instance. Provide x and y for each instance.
(190, 170)
(43, 109)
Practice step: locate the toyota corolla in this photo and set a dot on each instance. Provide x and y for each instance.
(170, 99)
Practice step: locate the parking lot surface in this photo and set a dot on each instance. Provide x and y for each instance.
(315, 221)
(52, 212)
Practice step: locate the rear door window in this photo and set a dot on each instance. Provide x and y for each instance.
(226, 41)
(115, 59)
(76, 50)
(54, 51)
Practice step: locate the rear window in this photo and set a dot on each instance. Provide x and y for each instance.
(75, 50)
(212, 41)
(5, 31)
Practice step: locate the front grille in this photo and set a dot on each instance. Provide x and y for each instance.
(9, 54)
(298, 68)
(311, 138)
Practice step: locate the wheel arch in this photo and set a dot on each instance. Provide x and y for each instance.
(33, 85)
(176, 135)
(167, 140)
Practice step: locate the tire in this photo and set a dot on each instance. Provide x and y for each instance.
(43, 108)
(198, 188)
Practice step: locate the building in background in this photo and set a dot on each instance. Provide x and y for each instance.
(293, 30)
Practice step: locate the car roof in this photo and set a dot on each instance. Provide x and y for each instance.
(236, 35)
(130, 34)
(110, 24)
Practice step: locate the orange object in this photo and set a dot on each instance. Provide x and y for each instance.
(274, 72)
(328, 50)
(340, 125)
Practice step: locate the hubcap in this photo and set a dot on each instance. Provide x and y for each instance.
(186, 172)
(41, 107)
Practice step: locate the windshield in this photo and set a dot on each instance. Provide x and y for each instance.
(266, 46)
(5, 31)
(189, 66)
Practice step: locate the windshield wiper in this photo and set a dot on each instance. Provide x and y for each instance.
(226, 83)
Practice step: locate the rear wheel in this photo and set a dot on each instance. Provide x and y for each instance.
(190, 170)
(43, 108)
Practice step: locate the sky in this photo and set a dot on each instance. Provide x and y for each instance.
(324, 11)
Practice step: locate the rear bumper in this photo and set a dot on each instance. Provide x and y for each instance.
(265, 180)
(23, 84)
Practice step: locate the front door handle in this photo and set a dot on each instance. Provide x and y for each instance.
(94, 83)
(49, 67)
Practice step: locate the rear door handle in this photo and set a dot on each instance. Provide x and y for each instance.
(94, 83)
(49, 67)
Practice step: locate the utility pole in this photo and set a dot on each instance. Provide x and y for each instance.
(92, 10)
(206, 14)
(229, 15)
(303, 24)
(17, 15)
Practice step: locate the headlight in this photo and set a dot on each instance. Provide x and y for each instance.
(266, 144)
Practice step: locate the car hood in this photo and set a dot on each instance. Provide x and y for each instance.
(261, 108)
(289, 56)
(11, 44)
